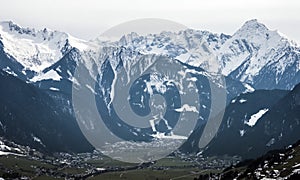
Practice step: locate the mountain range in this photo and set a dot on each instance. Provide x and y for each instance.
(260, 66)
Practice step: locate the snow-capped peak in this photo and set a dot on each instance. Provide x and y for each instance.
(258, 33)
(251, 49)
(36, 49)
(253, 55)
(251, 27)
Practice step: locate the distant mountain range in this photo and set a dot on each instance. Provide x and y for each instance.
(38, 71)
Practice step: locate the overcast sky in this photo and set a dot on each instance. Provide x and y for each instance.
(87, 19)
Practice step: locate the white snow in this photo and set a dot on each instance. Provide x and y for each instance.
(152, 122)
(38, 140)
(160, 135)
(9, 71)
(163, 136)
(33, 52)
(6, 150)
(265, 45)
(36, 49)
(156, 82)
(4, 153)
(231, 65)
(242, 132)
(78, 43)
(90, 88)
(156, 50)
(255, 117)
(248, 88)
(52, 74)
(187, 108)
(100, 169)
(297, 165)
(54, 89)
(242, 101)
(193, 79)
(296, 171)
(4, 147)
(183, 57)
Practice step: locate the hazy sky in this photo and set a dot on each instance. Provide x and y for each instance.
(89, 18)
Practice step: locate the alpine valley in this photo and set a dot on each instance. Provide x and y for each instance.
(261, 70)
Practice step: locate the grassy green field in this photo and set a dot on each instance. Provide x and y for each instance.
(108, 162)
(150, 174)
(21, 165)
(167, 168)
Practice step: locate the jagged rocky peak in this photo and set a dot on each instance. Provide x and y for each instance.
(43, 34)
(257, 33)
(11, 26)
(36, 49)
(252, 26)
(254, 54)
(255, 27)
(128, 38)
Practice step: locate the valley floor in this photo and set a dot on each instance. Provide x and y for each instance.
(95, 166)
(276, 164)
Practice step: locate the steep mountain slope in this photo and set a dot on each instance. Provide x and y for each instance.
(276, 164)
(267, 120)
(11, 65)
(252, 57)
(261, 57)
(29, 116)
(34, 49)
(254, 54)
